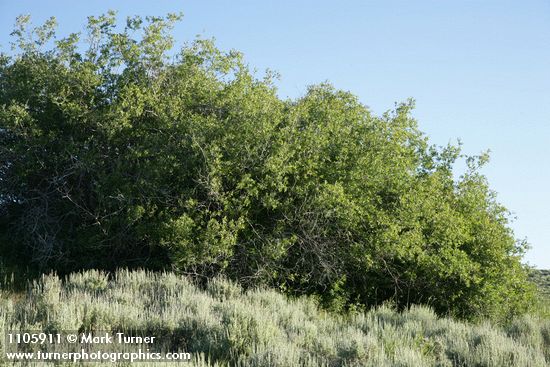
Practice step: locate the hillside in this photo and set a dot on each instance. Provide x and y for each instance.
(228, 326)
(542, 279)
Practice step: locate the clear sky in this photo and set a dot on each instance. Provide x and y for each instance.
(479, 70)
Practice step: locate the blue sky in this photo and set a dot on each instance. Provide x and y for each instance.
(479, 70)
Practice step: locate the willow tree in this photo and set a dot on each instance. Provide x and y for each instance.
(117, 150)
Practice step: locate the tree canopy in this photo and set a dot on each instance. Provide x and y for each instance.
(117, 151)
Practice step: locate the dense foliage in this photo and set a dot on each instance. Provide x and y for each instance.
(230, 327)
(116, 151)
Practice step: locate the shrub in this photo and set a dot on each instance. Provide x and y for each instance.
(263, 328)
(113, 154)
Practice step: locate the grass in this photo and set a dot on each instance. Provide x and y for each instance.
(222, 325)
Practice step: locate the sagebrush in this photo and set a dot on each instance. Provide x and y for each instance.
(223, 325)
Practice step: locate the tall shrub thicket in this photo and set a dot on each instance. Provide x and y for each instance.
(116, 151)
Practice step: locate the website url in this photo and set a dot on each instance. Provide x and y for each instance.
(98, 356)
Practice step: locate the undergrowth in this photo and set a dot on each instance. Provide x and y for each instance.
(222, 325)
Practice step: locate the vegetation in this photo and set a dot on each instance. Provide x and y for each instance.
(116, 151)
(224, 324)
(542, 279)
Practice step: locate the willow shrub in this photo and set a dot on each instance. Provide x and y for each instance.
(118, 151)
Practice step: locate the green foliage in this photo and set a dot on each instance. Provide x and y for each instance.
(116, 152)
(226, 326)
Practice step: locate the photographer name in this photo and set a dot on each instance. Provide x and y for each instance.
(117, 338)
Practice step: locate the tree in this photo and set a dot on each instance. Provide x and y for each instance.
(118, 152)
